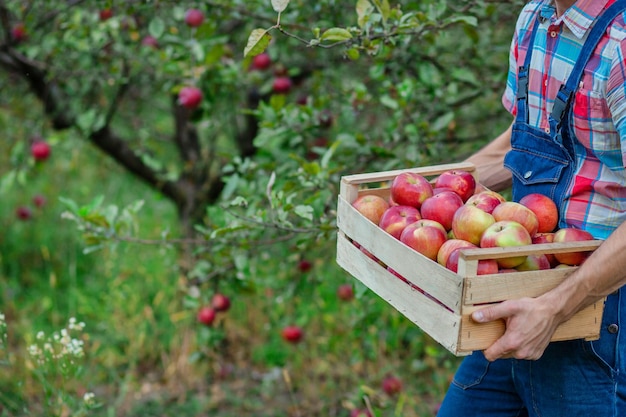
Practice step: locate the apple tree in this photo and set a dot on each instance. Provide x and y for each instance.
(245, 113)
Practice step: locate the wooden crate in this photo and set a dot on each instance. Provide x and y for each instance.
(436, 299)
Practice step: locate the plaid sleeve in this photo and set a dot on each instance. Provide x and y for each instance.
(616, 94)
(517, 53)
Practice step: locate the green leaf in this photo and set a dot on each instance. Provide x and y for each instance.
(363, 10)
(156, 27)
(258, 40)
(383, 7)
(336, 34)
(442, 122)
(306, 212)
(280, 5)
(470, 20)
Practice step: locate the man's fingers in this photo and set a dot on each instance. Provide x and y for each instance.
(491, 313)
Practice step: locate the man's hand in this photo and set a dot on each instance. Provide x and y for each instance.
(530, 324)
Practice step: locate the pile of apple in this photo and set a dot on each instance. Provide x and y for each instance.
(438, 218)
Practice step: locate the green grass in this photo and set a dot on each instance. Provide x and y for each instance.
(146, 355)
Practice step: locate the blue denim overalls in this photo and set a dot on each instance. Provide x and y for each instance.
(572, 378)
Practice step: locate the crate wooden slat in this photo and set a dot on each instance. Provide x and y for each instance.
(436, 299)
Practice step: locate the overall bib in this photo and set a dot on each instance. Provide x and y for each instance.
(572, 378)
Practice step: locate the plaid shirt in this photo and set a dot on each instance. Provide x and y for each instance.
(596, 200)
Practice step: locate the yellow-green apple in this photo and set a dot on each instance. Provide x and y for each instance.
(485, 266)
(571, 234)
(547, 237)
(424, 236)
(449, 246)
(534, 262)
(510, 210)
(544, 208)
(441, 207)
(371, 206)
(396, 218)
(469, 222)
(485, 200)
(410, 189)
(461, 182)
(506, 233)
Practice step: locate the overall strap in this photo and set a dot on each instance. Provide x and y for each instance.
(522, 79)
(563, 98)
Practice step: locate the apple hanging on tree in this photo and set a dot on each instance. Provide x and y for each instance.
(40, 150)
(194, 18)
(189, 97)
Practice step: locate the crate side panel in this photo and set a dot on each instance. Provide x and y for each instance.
(434, 319)
(505, 286)
(583, 325)
(441, 283)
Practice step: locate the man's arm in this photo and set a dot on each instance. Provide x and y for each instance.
(531, 322)
(488, 161)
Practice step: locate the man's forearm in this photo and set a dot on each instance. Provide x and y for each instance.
(600, 275)
(488, 160)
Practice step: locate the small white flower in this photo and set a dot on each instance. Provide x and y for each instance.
(1, 318)
(89, 398)
(34, 350)
(40, 335)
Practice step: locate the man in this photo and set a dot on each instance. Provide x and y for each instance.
(567, 90)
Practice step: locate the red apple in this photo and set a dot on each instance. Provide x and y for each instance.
(570, 234)
(40, 150)
(534, 262)
(392, 385)
(189, 97)
(194, 17)
(544, 208)
(461, 182)
(360, 412)
(281, 85)
(304, 265)
(206, 315)
(469, 223)
(441, 207)
(371, 206)
(18, 33)
(485, 200)
(150, 41)
(546, 238)
(105, 14)
(23, 213)
(261, 61)
(485, 266)
(292, 334)
(39, 201)
(424, 237)
(449, 246)
(410, 189)
(345, 292)
(396, 218)
(220, 302)
(506, 233)
(510, 210)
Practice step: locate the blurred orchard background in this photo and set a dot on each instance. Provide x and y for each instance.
(148, 164)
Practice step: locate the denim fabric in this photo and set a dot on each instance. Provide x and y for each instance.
(574, 378)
